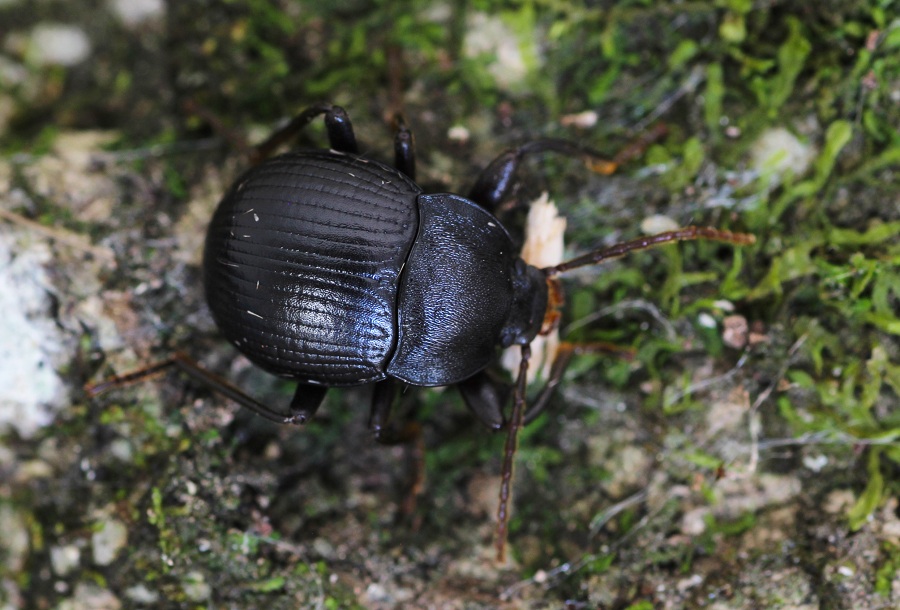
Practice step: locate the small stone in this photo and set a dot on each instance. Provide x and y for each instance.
(196, 587)
(64, 558)
(459, 134)
(135, 12)
(90, 596)
(58, 44)
(582, 120)
(140, 594)
(108, 541)
(685, 584)
(734, 333)
(376, 593)
(778, 151)
(706, 321)
(657, 223)
(815, 462)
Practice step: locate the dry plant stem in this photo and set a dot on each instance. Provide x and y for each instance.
(642, 243)
(74, 240)
(509, 452)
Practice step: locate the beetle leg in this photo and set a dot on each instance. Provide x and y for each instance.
(404, 148)
(561, 362)
(382, 401)
(337, 123)
(340, 131)
(495, 183)
(409, 434)
(509, 453)
(485, 397)
(306, 401)
(200, 374)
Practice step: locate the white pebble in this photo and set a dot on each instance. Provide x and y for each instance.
(582, 120)
(134, 12)
(58, 44)
(657, 224)
(108, 541)
(778, 151)
(458, 133)
(30, 388)
(64, 558)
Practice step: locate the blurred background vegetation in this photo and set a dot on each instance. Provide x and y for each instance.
(747, 457)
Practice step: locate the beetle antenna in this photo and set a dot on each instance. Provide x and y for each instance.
(509, 452)
(650, 241)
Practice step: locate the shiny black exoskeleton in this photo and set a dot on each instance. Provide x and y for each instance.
(332, 269)
(335, 270)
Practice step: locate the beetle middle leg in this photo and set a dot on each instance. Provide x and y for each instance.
(383, 396)
(485, 397)
(408, 434)
(495, 183)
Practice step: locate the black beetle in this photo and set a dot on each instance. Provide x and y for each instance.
(332, 269)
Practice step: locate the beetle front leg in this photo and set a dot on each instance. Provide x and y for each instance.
(495, 183)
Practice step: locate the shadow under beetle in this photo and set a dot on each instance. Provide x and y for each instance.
(331, 269)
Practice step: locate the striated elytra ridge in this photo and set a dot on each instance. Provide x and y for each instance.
(302, 262)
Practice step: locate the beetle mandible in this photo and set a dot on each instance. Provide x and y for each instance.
(333, 269)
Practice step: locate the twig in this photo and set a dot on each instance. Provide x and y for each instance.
(74, 240)
(754, 424)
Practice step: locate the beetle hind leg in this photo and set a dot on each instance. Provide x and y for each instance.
(404, 148)
(340, 131)
(298, 414)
